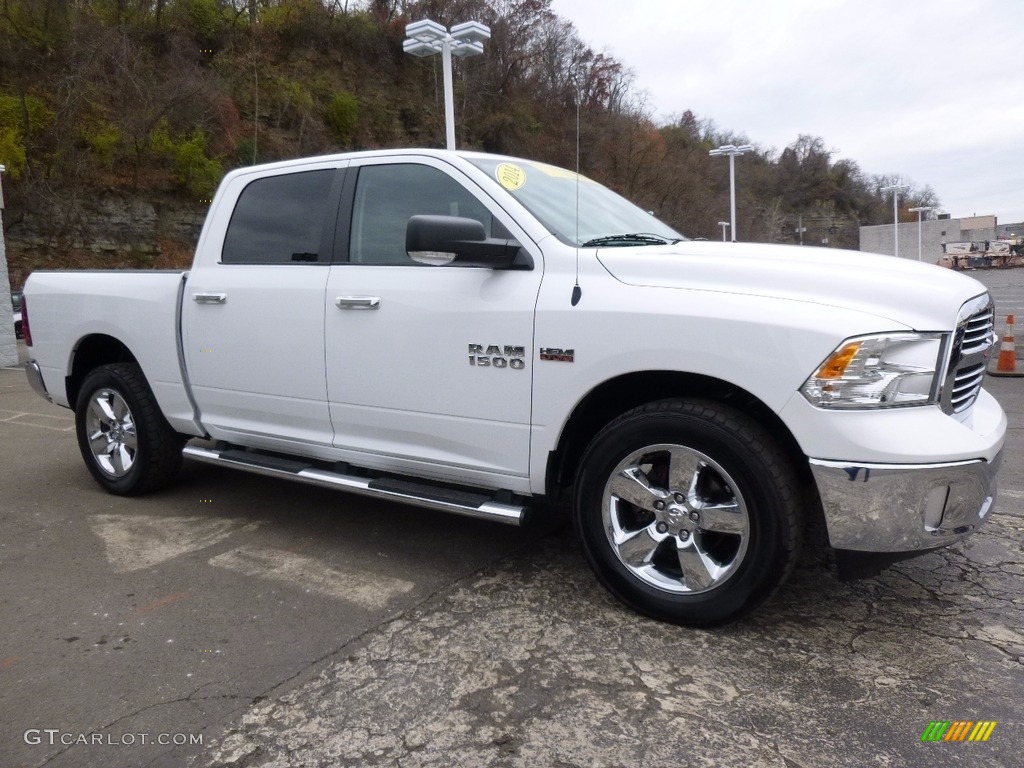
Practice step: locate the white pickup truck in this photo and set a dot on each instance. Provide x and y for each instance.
(476, 334)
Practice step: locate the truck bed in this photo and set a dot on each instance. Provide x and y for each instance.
(141, 309)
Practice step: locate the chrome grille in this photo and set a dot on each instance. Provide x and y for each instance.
(978, 332)
(966, 386)
(973, 341)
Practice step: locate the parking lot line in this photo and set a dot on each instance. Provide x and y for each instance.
(133, 542)
(30, 419)
(368, 590)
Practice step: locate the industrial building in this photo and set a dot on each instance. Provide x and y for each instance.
(935, 234)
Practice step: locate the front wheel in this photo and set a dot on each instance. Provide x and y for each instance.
(688, 511)
(125, 440)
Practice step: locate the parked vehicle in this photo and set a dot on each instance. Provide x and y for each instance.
(16, 303)
(474, 334)
(985, 254)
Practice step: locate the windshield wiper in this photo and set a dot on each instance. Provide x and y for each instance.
(633, 238)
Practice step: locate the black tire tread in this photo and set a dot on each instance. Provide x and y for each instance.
(159, 456)
(759, 444)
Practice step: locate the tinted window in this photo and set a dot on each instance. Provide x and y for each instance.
(387, 196)
(279, 219)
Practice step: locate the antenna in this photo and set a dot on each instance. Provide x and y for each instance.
(577, 292)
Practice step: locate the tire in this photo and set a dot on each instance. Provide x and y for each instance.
(688, 511)
(125, 441)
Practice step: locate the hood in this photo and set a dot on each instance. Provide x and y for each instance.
(910, 293)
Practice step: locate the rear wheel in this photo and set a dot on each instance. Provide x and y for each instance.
(688, 511)
(125, 441)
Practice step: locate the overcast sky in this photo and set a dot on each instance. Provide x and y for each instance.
(932, 90)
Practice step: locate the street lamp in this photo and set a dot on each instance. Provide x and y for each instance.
(426, 37)
(896, 189)
(732, 151)
(920, 210)
(724, 225)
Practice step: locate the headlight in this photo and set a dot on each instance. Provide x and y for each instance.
(890, 369)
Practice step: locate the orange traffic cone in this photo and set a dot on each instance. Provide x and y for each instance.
(1006, 363)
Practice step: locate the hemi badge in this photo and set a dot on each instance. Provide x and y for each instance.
(558, 355)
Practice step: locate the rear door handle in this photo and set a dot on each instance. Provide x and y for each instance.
(209, 298)
(358, 302)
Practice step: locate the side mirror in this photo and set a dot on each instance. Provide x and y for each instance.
(440, 240)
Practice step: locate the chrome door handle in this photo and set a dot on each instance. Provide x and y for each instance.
(209, 298)
(358, 302)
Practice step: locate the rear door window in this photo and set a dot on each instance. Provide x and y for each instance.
(280, 220)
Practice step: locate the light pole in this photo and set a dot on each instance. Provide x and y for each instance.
(732, 151)
(724, 225)
(895, 189)
(920, 210)
(426, 37)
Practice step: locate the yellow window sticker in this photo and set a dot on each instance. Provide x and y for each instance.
(510, 176)
(559, 173)
(554, 172)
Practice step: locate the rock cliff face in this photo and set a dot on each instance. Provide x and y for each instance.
(107, 232)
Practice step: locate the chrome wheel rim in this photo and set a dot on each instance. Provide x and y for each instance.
(110, 428)
(675, 519)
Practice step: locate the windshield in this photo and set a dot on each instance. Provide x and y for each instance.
(550, 194)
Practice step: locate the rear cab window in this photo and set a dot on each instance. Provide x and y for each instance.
(280, 220)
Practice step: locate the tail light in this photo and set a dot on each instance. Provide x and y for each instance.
(25, 330)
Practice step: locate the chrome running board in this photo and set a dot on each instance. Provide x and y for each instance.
(458, 501)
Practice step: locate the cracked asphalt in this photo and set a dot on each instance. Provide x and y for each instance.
(530, 663)
(237, 609)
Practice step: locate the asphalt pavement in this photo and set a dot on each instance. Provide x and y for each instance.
(529, 663)
(1007, 289)
(250, 623)
(161, 618)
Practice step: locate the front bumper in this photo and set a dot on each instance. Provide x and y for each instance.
(904, 507)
